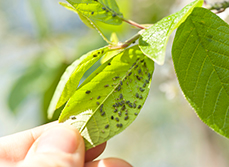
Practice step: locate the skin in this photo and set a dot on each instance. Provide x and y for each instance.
(52, 145)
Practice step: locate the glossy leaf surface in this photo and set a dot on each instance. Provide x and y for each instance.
(201, 60)
(153, 41)
(111, 98)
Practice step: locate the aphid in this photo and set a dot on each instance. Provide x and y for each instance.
(102, 51)
(133, 64)
(103, 8)
(117, 119)
(98, 97)
(72, 117)
(123, 107)
(114, 14)
(88, 91)
(127, 102)
(142, 90)
(119, 113)
(126, 113)
(117, 77)
(147, 81)
(94, 55)
(137, 95)
(103, 114)
(135, 113)
(98, 52)
(112, 117)
(117, 125)
(107, 126)
(118, 88)
(91, 98)
(120, 82)
(136, 67)
(130, 105)
(97, 103)
(149, 75)
(120, 125)
(139, 78)
(140, 97)
(115, 110)
(144, 85)
(121, 96)
(126, 117)
(106, 86)
(101, 108)
(120, 103)
(92, 13)
(134, 105)
(139, 71)
(130, 73)
(109, 63)
(139, 106)
(142, 61)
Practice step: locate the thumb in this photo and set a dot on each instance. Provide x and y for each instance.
(61, 145)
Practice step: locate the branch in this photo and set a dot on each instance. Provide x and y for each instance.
(219, 7)
(133, 23)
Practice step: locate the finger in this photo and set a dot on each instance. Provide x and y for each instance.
(7, 164)
(94, 152)
(109, 162)
(61, 145)
(15, 147)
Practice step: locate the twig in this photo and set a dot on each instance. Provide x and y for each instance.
(219, 7)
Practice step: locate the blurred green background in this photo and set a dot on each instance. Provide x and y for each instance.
(39, 39)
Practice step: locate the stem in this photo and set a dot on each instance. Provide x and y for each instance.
(134, 24)
(219, 7)
(127, 42)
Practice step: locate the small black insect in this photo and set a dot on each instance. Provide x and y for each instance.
(103, 113)
(117, 125)
(121, 96)
(92, 13)
(120, 82)
(98, 52)
(144, 85)
(102, 51)
(140, 97)
(106, 86)
(72, 117)
(107, 126)
(118, 88)
(117, 77)
(120, 103)
(114, 14)
(103, 8)
(135, 113)
(94, 55)
(139, 78)
(139, 71)
(115, 110)
(147, 81)
(134, 105)
(137, 95)
(117, 119)
(112, 117)
(149, 75)
(139, 106)
(123, 107)
(109, 63)
(97, 103)
(120, 125)
(119, 113)
(98, 97)
(141, 89)
(142, 61)
(126, 117)
(127, 101)
(136, 67)
(88, 91)
(130, 105)
(130, 73)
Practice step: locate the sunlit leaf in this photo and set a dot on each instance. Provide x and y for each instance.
(153, 41)
(71, 78)
(201, 60)
(111, 98)
(99, 10)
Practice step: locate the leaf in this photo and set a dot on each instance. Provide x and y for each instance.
(111, 98)
(153, 41)
(99, 10)
(85, 20)
(201, 59)
(71, 78)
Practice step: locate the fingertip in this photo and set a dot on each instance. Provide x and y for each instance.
(108, 162)
(94, 152)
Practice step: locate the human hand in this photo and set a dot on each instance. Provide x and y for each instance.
(52, 145)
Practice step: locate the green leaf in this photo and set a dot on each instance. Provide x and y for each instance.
(88, 22)
(201, 59)
(111, 98)
(99, 10)
(153, 41)
(71, 78)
